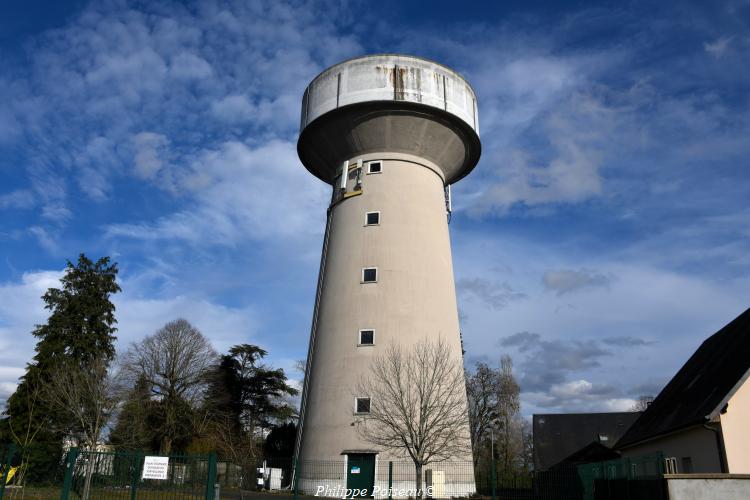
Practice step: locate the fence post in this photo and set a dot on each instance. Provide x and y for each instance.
(493, 477)
(390, 480)
(135, 475)
(295, 481)
(10, 452)
(211, 476)
(70, 462)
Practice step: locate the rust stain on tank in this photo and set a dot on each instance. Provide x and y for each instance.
(398, 83)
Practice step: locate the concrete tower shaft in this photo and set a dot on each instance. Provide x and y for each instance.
(389, 133)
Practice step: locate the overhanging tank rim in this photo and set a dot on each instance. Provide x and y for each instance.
(394, 54)
(476, 143)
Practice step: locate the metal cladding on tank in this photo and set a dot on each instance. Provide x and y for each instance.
(393, 103)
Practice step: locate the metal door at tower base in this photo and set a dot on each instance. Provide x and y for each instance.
(360, 475)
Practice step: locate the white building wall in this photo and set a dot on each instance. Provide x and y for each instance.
(735, 428)
(708, 487)
(696, 443)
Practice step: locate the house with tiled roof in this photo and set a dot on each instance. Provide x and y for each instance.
(701, 419)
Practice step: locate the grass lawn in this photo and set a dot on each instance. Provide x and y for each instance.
(32, 493)
(53, 493)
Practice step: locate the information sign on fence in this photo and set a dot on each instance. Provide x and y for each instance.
(155, 467)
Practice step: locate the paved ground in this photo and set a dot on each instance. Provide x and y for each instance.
(260, 495)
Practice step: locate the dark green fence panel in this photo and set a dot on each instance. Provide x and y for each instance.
(97, 475)
(40, 464)
(627, 478)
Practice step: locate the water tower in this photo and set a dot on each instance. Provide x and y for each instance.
(390, 134)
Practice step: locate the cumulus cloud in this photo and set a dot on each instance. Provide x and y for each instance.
(571, 175)
(241, 193)
(548, 362)
(187, 66)
(567, 280)
(581, 396)
(233, 109)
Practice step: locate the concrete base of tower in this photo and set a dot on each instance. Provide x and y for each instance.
(444, 485)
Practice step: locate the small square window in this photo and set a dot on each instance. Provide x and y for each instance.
(374, 167)
(362, 405)
(372, 218)
(603, 438)
(369, 274)
(366, 337)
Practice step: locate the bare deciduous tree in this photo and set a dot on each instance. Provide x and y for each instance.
(239, 448)
(25, 429)
(481, 388)
(85, 394)
(508, 409)
(494, 412)
(642, 403)
(417, 404)
(175, 362)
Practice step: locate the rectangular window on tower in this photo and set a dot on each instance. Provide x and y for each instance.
(361, 405)
(374, 167)
(366, 337)
(369, 274)
(372, 218)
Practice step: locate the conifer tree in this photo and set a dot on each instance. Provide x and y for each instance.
(80, 330)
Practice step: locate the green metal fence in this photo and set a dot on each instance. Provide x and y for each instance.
(39, 464)
(639, 478)
(627, 478)
(398, 479)
(94, 475)
(111, 475)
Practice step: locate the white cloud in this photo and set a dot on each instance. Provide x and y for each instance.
(105, 92)
(233, 109)
(618, 404)
(21, 308)
(187, 66)
(572, 389)
(644, 325)
(46, 239)
(150, 149)
(552, 152)
(241, 194)
(17, 199)
(718, 47)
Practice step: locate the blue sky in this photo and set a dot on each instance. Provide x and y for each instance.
(604, 234)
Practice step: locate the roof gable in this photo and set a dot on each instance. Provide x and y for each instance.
(700, 387)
